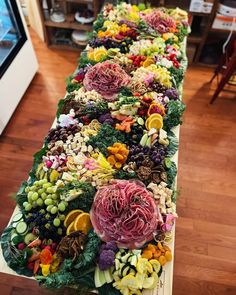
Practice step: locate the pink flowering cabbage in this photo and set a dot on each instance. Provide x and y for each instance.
(160, 21)
(106, 78)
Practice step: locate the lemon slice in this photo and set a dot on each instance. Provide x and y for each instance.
(83, 223)
(70, 217)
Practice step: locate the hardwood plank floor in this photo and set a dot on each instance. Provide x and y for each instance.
(205, 260)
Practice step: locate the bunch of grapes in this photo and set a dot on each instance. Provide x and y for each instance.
(43, 198)
(43, 223)
(138, 153)
(61, 133)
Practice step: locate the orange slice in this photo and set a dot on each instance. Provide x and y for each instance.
(154, 121)
(83, 223)
(70, 228)
(70, 217)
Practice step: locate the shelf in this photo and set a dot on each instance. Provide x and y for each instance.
(68, 25)
(66, 47)
(80, 1)
(220, 30)
(198, 13)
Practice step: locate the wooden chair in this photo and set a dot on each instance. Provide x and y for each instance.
(226, 67)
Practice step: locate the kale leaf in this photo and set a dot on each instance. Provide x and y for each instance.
(175, 111)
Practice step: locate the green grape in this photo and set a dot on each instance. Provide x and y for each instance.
(62, 217)
(44, 196)
(54, 210)
(47, 225)
(65, 203)
(49, 196)
(62, 207)
(40, 191)
(33, 188)
(43, 181)
(39, 202)
(48, 202)
(27, 189)
(54, 197)
(25, 204)
(49, 208)
(30, 194)
(59, 231)
(34, 204)
(47, 216)
(42, 211)
(50, 190)
(35, 196)
(46, 185)
(28, 207)
(36, 183)
(56, 222)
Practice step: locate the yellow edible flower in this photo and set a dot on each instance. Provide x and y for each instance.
(45, 269)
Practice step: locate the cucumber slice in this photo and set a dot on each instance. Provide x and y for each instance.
(17, 217)
(21, 228)
(125, 270)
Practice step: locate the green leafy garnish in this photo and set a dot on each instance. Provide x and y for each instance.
(171, 175)
(173, 144)
(106, 137)
(85, 193)
(175, 111)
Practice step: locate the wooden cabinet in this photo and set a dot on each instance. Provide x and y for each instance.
(58, 34)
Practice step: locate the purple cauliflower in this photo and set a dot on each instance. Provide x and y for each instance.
(106, 259)
(106, 118)
(172, 93)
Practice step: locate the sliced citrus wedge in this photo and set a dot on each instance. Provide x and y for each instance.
(83, 223)
(70, 217)
(154, 121)
(70, 228)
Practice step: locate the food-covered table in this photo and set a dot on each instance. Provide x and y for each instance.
(98, 210)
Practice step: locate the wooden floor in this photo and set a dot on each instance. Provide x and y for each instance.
(205, 253)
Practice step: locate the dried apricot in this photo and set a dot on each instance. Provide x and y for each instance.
(157, 254)
(162, 260)
(152, 248)
(147, 254)
(168, 256)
